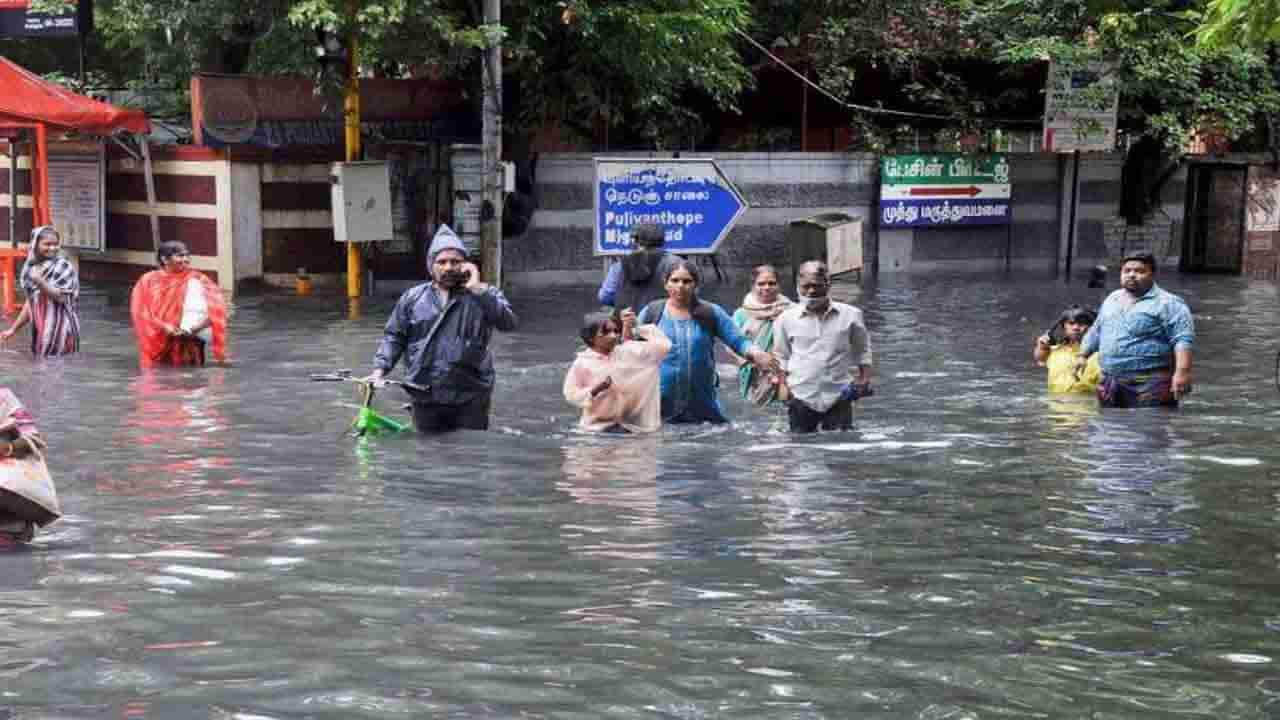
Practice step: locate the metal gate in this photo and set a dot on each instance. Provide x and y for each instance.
(1213, 238)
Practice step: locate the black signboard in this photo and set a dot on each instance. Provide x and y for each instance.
(17, 19)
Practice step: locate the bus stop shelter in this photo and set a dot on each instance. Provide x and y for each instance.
(33, 107)
(31, 103)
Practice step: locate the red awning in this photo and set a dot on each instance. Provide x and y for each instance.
(27, 99)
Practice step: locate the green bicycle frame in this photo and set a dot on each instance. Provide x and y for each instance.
(369, 422)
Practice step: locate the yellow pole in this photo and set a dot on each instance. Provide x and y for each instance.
(351, 114)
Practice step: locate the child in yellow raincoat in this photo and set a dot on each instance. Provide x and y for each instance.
(1058, 349)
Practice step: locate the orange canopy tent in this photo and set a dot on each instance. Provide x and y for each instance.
(30, 102)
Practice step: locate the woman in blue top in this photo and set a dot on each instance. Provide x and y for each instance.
(689, 377)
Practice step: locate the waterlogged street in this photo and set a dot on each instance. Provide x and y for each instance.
(974, 549)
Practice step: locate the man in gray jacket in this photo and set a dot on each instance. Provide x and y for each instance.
(442, 329)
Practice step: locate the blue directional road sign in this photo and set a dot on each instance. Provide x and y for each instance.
(691, 199)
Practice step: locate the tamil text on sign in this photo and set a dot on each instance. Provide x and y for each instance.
(691, 200)
(1080, 106)
(944, 189)
(77, 200)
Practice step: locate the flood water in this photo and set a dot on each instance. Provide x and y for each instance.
(973, 549)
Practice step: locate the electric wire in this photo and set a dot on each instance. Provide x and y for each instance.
(875, 110)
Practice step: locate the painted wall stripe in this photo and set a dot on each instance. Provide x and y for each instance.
(182, 210)
(133, 232)
(24, 201)
(199, 189)
(308, 173)
(296, 196)
(297, 219)
(128, 166)
(141, 257)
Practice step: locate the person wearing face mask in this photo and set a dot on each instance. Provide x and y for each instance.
(442, 329)
(52, 287)
(825, 353)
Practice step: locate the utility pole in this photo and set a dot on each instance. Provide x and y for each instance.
(351, 128)
(491, 208)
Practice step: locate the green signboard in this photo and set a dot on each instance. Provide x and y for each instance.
(944, 189)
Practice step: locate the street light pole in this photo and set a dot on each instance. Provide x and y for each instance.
(492, 189)
(351, 128)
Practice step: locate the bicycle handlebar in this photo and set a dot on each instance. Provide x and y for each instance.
(346, 376)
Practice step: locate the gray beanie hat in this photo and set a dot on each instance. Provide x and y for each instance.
(444, 239)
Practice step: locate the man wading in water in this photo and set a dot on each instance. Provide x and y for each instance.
(444, 327)
(1145, 337)
(825, 353)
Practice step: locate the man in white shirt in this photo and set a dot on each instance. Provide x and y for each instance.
(825, 353)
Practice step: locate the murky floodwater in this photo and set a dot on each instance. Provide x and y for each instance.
(973, 549)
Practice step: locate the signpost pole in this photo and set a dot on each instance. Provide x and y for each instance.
(492, 188)
(40, 188)
(1071, 213)
(351, 127)
(149, 177)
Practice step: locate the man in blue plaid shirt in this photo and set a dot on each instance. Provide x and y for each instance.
(1145, 336)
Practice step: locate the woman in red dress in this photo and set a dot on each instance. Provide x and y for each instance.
(179, 314)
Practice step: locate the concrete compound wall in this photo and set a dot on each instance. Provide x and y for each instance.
(1261, 256)
(254, 217)
(786, 186)
(24, 212)
(780, 187)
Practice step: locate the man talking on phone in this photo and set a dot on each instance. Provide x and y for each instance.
(442, 329)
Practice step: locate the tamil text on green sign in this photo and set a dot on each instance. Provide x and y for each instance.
(944, 189)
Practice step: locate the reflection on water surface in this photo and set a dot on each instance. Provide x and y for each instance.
(973, 549)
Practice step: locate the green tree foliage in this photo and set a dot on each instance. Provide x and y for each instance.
(602, 62)
(583, 64)
(634, 67)
(1169, 85)
(935, 51)
(1252, 23)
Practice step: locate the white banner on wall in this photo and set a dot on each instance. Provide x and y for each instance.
(77, 199)
(467, 165)
(1263, 197)
(1080, 105)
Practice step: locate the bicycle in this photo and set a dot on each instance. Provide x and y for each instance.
(369, 421)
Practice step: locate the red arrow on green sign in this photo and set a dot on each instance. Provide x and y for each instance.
(970, 191)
